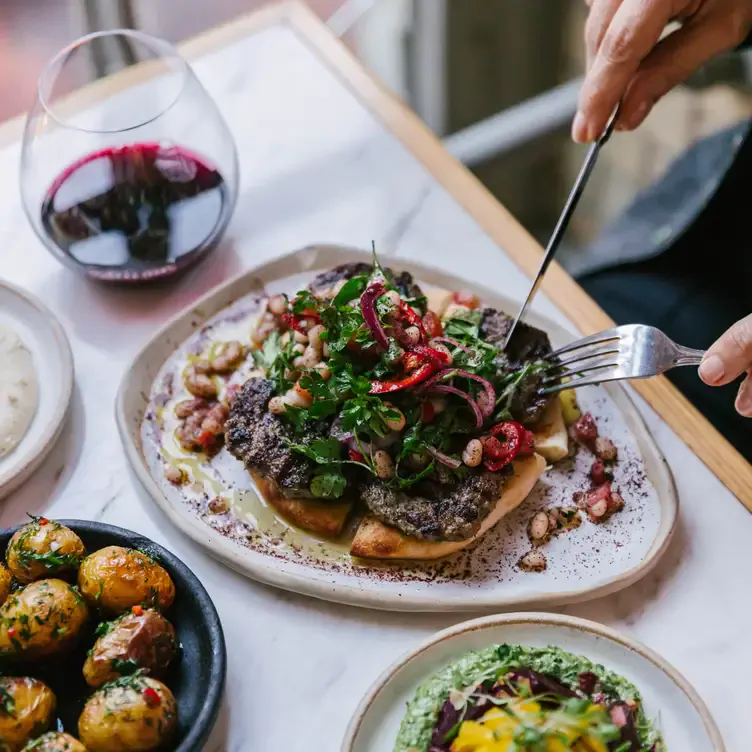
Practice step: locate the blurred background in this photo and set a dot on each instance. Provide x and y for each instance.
(496, 79)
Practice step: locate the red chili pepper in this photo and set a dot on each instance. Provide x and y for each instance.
(517, 441)
(355, 455)
(432, 325)
(206, 439)
(309, 313)
(418, 375)
(43, 520)
(431, 355)
(413, 318)
(427, 411)
(466, 298)
(137, 611)
(151, 696)
(292, 322)
(11, 631)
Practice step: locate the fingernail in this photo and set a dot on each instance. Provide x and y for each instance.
(711, 369)
(744, 400)
(579, 129)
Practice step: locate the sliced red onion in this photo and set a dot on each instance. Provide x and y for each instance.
(486, 403)
(359, 446)
(446, 389)
(443, 458)
(368, 307)
(453, 343)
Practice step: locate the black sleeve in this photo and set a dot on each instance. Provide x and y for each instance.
(746, 44)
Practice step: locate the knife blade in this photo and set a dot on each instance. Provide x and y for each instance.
(566, 215)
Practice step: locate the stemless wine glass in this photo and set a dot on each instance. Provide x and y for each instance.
(133, 176)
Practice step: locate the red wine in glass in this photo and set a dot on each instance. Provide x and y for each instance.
(138, 212)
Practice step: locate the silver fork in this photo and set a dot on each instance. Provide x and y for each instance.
(633, 351)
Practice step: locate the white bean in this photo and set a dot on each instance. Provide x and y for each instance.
(539, 527)
(445, 350)
(298, 348)
(397, 423)
(392, 297)
(599, 508)
(413, 334)
(314, 336)
(533, 561)
(276, 405)
(298, 397)
(310, 357)
(383, 464)
(299, 362)
(473, 453)
(301, 338)
(277, 304)
(174, 475)
(439, 404)
(324, 371)
(325, 350)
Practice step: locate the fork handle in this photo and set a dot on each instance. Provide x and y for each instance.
(686, 356)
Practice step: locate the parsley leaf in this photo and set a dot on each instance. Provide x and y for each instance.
(329, 484)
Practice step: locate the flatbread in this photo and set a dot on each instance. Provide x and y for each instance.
(18, 390)
(375, 540)
(325, 518)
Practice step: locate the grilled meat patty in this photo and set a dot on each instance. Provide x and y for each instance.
(527, 344)
(434, 511)
(403, 281)
(257, 438)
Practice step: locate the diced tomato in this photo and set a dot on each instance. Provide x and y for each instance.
(137, 610)
(585, 429)
(466, 298)
(43, 520)
(11, 631)
(432, 325)
(151, 696)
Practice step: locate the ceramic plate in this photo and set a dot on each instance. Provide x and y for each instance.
(590, 561)
(42, 334)
(197, 680)
(669, 700)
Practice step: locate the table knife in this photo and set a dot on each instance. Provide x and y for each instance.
(566, 215)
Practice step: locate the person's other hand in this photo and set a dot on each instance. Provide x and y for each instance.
(627, 59)
(730, 357)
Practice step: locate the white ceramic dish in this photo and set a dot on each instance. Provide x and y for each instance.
(602, 559)
(42, 334)
(669, 699)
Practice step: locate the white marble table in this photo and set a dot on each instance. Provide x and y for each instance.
(318, 166)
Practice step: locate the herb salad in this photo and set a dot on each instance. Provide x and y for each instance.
(366, 384)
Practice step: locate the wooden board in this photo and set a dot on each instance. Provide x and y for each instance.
(702, 438)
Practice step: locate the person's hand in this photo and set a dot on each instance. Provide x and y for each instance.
(628, 61)
(730, 357)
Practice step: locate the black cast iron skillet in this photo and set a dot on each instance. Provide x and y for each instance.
(197, 678)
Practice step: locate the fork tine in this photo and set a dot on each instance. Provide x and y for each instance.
(581, 357)
(585, 381)
(598, 365)
(608, 335)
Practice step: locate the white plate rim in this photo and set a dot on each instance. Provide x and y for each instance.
(545, 619)
(12, 479)
(237, 558)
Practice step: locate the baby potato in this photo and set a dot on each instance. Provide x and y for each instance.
(117, 578)
(55, 741)
(43, 619)
(43, 548)
(6, 582)
(27, 707)
(133, 714)
(142, 639)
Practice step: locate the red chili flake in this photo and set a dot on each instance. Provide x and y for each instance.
(152, 697)
(137, 610)
(11, 631)
(43, 520)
